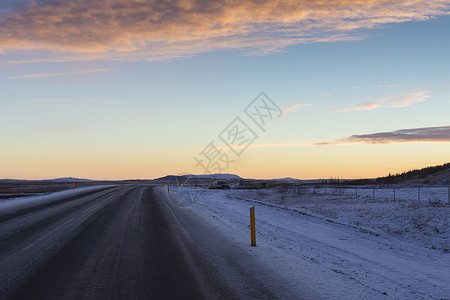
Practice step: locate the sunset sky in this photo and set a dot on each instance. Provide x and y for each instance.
(121, 89)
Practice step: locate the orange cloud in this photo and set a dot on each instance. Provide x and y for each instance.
(294, 107)
(43, 75)
(155, 30)
(394, 102)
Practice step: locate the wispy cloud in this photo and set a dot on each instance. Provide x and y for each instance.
(294, 107)
(43, 75)
(380, 86)
(377, 86)
(156, 30)
(416, 135)
(393, 102)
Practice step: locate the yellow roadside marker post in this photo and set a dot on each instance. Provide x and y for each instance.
(74, 185)
(252, 226)
(167, 187)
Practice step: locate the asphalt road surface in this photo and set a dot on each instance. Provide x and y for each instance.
(118, 243)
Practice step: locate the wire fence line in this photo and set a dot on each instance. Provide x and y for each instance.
(425, 194)
(420, 194)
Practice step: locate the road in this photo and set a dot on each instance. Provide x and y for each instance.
(112, 243)
(118, 243)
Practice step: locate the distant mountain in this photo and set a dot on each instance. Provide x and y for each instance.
(217, 177)
(67, 179)
(199, 177)
(64, 179)
(286, 179)
(292, 180)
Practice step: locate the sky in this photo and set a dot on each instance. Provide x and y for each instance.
(117, 89)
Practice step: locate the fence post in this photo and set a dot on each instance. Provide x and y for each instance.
(373, 193)
(167, 187)
(394, 193)
(418, 193)
(252, 226)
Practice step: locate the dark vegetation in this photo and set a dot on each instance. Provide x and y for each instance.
(424, 176)
(414, 174)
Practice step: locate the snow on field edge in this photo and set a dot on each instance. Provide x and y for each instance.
(15, 203)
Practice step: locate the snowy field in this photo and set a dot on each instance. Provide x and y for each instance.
(346, 245)
(423, 220)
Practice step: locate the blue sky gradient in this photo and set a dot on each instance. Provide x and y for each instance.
(108, 118)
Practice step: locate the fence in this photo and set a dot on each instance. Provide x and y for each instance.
(421, 194)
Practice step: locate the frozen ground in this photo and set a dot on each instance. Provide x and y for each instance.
(339, 244)
(423, 221)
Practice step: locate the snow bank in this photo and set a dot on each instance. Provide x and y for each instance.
(425, 223)
(16, 203)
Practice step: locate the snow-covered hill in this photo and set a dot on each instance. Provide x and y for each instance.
(68, 179)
